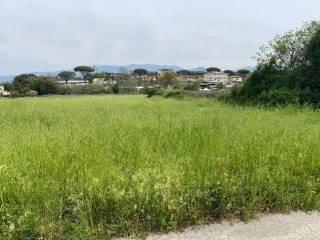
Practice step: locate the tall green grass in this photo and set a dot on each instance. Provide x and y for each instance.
(95, 167)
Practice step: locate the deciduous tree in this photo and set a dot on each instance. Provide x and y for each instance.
(287, 51)
(168, 79)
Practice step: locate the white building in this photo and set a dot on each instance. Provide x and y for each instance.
(235, 79)
(72, 82)
(216, 77)
(3, 92)
(98, 81)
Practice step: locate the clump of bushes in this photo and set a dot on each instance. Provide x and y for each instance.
(32, 85)
(151, 91)
(32, 93)
(83, 89)
(173, 93)
(288, 71)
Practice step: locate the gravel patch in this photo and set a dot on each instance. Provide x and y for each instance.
(294, 226)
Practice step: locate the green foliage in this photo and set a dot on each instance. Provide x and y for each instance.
(140, 72)
(229, 72)
(86, 89)
(173, 93)
(32, 93)
(22, 82)
(311, 72)
(167, 80)
(8, 86)
(104, 75)
(115, 88)
(66, 75)
(243, 72)
(85, 71)
(194, 86)
(26, 83)
(286, 52)
(282, 96)
(184, 72)
(213, 69)
(288, 72)
(151, 91)
(149, 165)
(44, 86)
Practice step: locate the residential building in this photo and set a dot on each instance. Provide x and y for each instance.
(72, 82)
(236, 79)
(216, 77)
(189, 78)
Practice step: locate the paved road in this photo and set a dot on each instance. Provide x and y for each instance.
(296, 226)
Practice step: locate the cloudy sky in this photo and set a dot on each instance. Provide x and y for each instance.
(42, 35)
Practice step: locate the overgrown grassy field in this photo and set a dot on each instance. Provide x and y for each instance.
(93, 167)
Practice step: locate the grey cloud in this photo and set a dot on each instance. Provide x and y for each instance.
(47, 35)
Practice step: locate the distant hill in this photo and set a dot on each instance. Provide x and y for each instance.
(131, 67)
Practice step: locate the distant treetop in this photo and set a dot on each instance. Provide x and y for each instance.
(84, 69)
(140, 71)
(184, 72)
(213, 69)
(243, 71)
(230, 72)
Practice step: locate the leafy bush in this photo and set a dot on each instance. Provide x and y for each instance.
(288, 71)
(44, 86)
(8, 86)
(83, 89)
(22, 82)
(281, 96)
(14, 94)
(194, 86)
(115, 88)
(175, 93)
(151, 91)
(95, 89)
(32, 93)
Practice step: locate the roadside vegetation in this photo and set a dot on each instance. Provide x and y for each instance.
(93, 167)
(288, 71)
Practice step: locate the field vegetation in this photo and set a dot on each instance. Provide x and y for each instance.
(93, 167)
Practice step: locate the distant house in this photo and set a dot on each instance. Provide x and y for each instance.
(72, 82)
(98, 81)
(3, 92)
(189, 78)
(236, 79)
(216, 77)
(139, 89)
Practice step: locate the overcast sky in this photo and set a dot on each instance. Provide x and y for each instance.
(42, 35)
